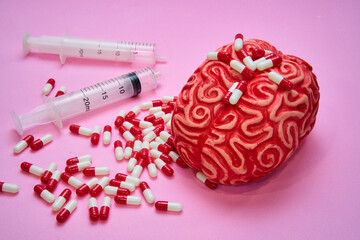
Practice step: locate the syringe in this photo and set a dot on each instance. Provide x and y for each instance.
(65, 46)
(57, 109)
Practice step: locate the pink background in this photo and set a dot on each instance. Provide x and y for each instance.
(314, 196)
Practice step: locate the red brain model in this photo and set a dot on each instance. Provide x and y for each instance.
(234, 144)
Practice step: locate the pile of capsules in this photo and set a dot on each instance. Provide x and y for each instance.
(148, 145)
(260, 60)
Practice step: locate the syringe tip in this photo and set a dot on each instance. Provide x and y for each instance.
(160, 59)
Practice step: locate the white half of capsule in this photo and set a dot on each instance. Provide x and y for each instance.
(102, 170)
(83, 165)
(85, 158)
(127, 185)
(59, 202)
(137, 145)
(136, 172)
(131, 164)
(145, 144)
(46, 139)
(10, 188)
(174, 156)
(257, 61)
(152, 169)
(261, 66)
(237, 66)
(104, 181)
(159, 140)
(92, 202)
(20, 146)
(201, 177)
(159, 114)
(164, 136)
(249, 63)
(128, 125)
(119, 153)
(128, 136)
(76, 183)
(85, 131)
(56, 175)
(149, 196)
(51, 167)
(133, 180)
(146, 105)
(133, 200)
(38, 171)
(174, 207)
(149, 137)
(232, 88)
(110, 190)
(122, 113)
(145, 124)
(127, 152)
(106, 201)
(154, 110)
(155, 153)
(71, 206)
(92, 182)
(235, 96)
(106, 137)
(238, 44)
(275, 77)
(167, 117)
(47, 89)
(154, 145)
(47, 196)
(62, 89)
(136, 110)
(212, 56)
(97, 130)
(166, 99)
(168, 125)
(147, 130)
(159, 163)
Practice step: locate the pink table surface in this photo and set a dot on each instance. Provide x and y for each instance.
(314, 196)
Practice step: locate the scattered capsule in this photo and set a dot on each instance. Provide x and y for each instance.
(120, 118)
(8, 187)
(127, 200)
(159, 140)
(247, 60)
(24, 143)
(168, 206)
(99, 187)
(151, 167)
(122, 184)
(86, 187)
(127, 178)
(165, 109)
(167, 138)
(75, 160)
(44, 193)
(105, 208)
(157, 154)
(61, 199)
(71, 180)
(48, 87)
(132, 114)
(128, 149)
(136, 172)
(160, 147)
(229, 93)
(132, 161)
(176, 158)
(62, 91)
(31, 168)
(259, 53)
(95, 137)
(154, 133)
(153, 103)
(239, 42)
(167, 99)
(144, 152)
(80, 130)
(38, 144)
(77, 167)
(111, 190)
(203, 179)
(53, 181)
(242, 69)
(96, 171)
(140, 123)
(132, 129)
(119, 152)
(126, 134)
(257, 61)
(168, 125)
(219, 56)
(281, 81)
(48, 173)
(152, 117)
(147, 193)
(65, 213)
(237, 93)
(271, 62)
(163, 119)
(148, 130)
(93, 209)
(165, 168)
(107, 135)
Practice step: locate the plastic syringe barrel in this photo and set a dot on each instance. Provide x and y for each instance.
(87, 99)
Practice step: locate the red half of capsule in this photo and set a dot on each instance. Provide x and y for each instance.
(96, 190)
(167, 170)
(150, 118)
(51, 185)
(210, 185)
(94, 213)
(120, 199)
(181, 163)
(224, 57)
(46, 177)
(104, 212)
(95, 137)
(63, 215)
(29, 139)
(25, 166)
(74, 128)
(130, 115)
(161, 205)
(83, 190)
(36, 145)
(119, 121)
(115, 183)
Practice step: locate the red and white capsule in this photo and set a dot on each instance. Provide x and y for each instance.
(246, 59)
(111, 190)
(44, 193)
(48, 173)
(144, 152)
(269, 63)
(153, 103)
(126, 134)
(86, 187)
(99, 187)
(39, 143)
(152, 117)
(136, 172)
(283, 83)
(154, 133)
(24, 143)
(166, 99)
(203, 179)
(176, 158)
(163, 119)
(80, 130)
(219, 56)
(147, 193)
(164, 108)
(78, 167)
(165, 168)
(160, 147)
(132, 129)
(239, 42)
(132, 114)
(159, 140)
(8, 187)
(132, 161)
(259, 53)
(157, 154)
(48, 87)
(246, 72)
(127, 200)
(120, 118)
(31, 168)
(168, 206)
(257, 61)
(127, 178)
(141, 124)
(53, 181)
(75, 160)
(229, 93)
(93, 209)
(151, 167)
(95, 137)
(61, 199)
(122, 184)
(119, 152)
(62, 91)
(96, 171)
(128, 149)
(65, 213)
(71, 180)
(107, 135)
(167, 138)
(237, 93)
